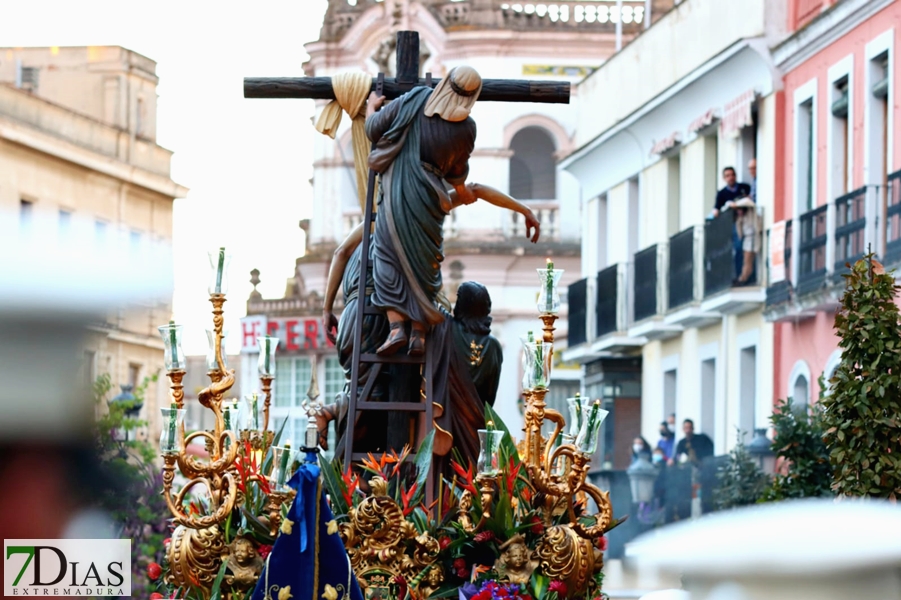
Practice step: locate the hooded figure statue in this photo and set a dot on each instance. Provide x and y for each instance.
(423, 141)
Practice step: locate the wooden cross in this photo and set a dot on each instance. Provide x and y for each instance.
(320, 88)
(493, 90)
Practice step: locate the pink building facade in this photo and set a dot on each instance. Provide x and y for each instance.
(838, 178)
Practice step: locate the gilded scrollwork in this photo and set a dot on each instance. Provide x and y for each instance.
(380, 541)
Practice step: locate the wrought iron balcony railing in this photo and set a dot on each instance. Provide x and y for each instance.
(893, 220)
(645, 281)
(850, 230)
(681, 269)
(719, 253)
(812, 250)
(578, 313)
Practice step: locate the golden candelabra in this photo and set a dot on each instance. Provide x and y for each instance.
(559, 474)
(198, 546)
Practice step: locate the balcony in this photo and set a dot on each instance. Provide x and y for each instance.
(892, 253)
(720, 266)
(829, 238)
(850, 231)
(812, 251)
(612, 312)
(686, 280)
(650, 285)
(578, 313)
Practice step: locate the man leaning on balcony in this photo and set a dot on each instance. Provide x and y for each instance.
(733, 191)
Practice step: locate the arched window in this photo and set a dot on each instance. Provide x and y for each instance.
(799, 386)
(533, 171)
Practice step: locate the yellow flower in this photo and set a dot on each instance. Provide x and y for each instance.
(330, 593)
(332, 527)
(285, 593)
(286, 526)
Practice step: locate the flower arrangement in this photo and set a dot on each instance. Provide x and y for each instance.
(506, 555)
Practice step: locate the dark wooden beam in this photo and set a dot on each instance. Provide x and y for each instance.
(407, 57)
(493, 90)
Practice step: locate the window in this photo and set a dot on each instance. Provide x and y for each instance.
(601, 239)
(26, 214)
(90, 361)
(707, 422)
(799, 386)
(673, 194)
(879, 119)
(634, 204)
(670, 380)
(292, 379)
(65, 223)
(134, 375)
(334, 379)
(748, 390)
(841, 136)
(533, 170)
(805, 166)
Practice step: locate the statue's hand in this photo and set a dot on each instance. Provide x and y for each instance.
(374, 103)
(330, 324)
(532, 224)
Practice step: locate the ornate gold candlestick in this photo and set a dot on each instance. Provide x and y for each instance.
(198, 545)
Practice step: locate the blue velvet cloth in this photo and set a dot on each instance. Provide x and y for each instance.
(297, 556)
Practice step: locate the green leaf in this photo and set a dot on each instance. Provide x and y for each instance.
(217, 583)
(424, 463)
(334, 485)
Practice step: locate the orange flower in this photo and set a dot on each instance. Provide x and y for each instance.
(406, 497)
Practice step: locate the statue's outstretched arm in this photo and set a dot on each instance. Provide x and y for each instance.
(335, 275)
(502, 200)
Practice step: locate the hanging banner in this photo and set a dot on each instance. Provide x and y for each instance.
(777, 252)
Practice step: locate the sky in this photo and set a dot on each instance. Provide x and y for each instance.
(247, 163)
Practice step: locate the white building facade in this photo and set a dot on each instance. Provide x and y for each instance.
(655, 321)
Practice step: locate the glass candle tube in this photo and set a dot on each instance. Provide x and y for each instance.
(173, 355)
(173, 418)
(266, 365)
(218, 272)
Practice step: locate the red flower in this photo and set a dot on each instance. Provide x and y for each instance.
(483, 595)
(264, 550)
(466, 476)
(602, 543)
(462, 573)
(559, 587)
(167, 541)
(460, 563)
(483, 537)
(154, 571)
(538, 527)
(156, 596)
(444, 542)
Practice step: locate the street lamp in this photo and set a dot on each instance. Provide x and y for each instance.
(132, 408)
(761, 450)
(642, 475)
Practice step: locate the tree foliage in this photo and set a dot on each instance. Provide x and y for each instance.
(861, 414)
(133, 500)
(741, 482)
(798, 441)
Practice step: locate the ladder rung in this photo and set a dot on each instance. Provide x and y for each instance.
(400, 406)
(393, 359)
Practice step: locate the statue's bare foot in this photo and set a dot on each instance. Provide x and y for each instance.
(326, 415)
